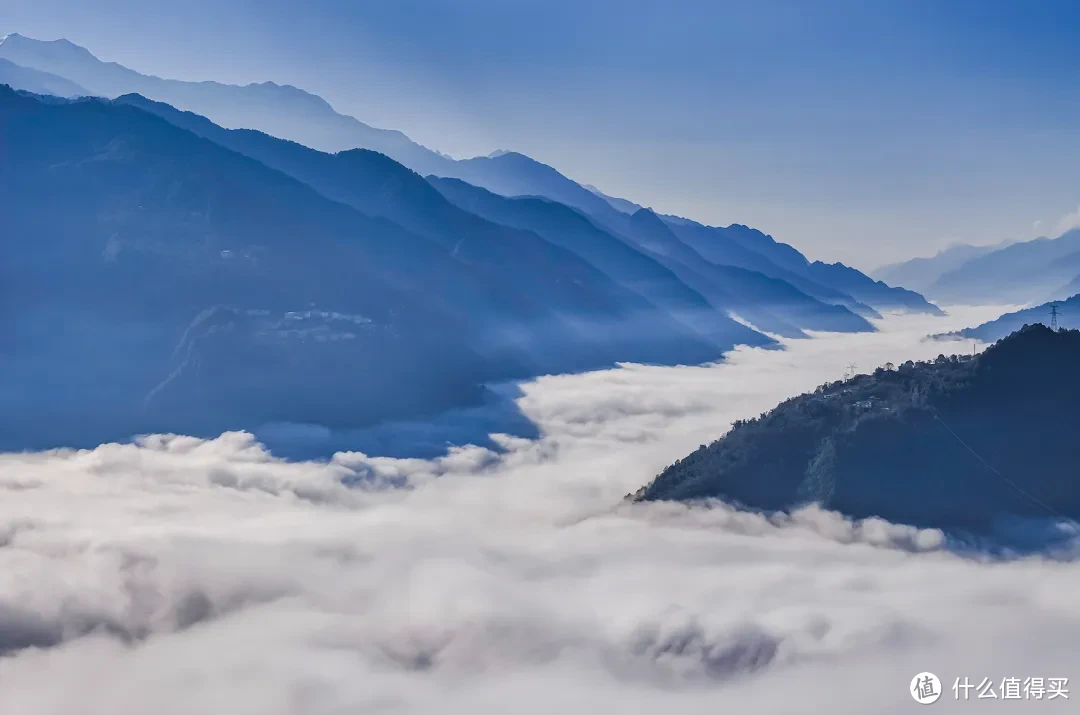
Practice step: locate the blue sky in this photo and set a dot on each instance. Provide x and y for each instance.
(858, 131)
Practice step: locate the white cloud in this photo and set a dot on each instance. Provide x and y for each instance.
(1068, 222)
(179, 575)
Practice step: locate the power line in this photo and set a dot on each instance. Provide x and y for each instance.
(989, 466)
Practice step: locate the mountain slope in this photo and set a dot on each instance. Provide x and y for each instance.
(32, 80)
(198, 290)
(868, 290)
(291, 113)
(576, 316)
(769, 303)
(1070, 289)
(572, 230)
(512, 174)
(1018, 273)
(627, 207)
(988, 332)
(888, 444)
(750, 249)
(920, 274)
(280, 110)
(288, 112)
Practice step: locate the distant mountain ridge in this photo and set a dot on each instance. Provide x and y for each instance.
(36, 81)
(1018, 273)
(203, 290)
(920, 274)
(1009, 273)
(573, 230)
(773, 304)
(378, 186)
(288, 112)
(361, 179)
(1068, 317)
(866, 289)
(281, 110)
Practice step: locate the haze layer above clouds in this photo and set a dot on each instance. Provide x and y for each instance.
(178, 575)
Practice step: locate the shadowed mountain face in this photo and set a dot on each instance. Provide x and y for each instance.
(747, 248)
(512, 174)
(563, 298)
(1068, 317)
(154, 281)
(157, 281)
(288, 112)
(769, 303)
(834, 283)
(567, 227)
(868, 290)
(909, 444)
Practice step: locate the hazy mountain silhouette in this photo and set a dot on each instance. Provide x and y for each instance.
(203, 290)
(287, 112)
(753, 250)
(866, 289)
(769, 303)
(564, 299)
(831, 283)
(1018, 273)
(571, 229)
(512, 174)
(36, 81)
(154, 281)
(780, 255)
(908, 444)
(627, 207)
(1071, 288)
(990, 331)
(280, 110)
(920, 274)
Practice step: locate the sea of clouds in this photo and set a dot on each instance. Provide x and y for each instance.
(176, 576)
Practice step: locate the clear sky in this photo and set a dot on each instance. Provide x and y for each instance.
(858, 130)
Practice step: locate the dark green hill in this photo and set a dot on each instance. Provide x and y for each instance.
(934, 444)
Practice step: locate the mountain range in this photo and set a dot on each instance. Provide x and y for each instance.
(1013, 273)
(922, 273)
(960, 443)
(1068, 316)
(288, 112)
(210, 278)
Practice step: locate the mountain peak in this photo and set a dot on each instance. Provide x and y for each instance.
(647, 216)
(60, 47)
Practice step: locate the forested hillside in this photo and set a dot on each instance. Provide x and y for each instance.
(957, 442)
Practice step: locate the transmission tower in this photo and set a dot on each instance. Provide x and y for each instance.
(850, 371)
(1053, 316)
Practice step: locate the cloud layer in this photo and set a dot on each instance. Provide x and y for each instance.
(178, 575)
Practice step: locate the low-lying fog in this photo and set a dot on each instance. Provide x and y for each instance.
(182, 576)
